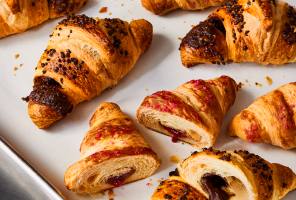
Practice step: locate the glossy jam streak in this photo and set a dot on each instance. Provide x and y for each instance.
(117, 181)
(176, 134)
(213, 185)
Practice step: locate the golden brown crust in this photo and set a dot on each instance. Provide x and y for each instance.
(112, 144)
(18, 15)
(248, 176)
(85, 56)
(259, 31)
(176, 188)
(195, 110)
(270, 119)
(161, 7)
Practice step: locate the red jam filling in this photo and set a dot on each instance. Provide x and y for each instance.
(117, 181)
(176, 133)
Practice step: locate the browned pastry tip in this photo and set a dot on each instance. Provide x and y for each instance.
(176, 188)
(142, 31)
(58, 8)
(243, 31)
(161, 7)
(270, 119)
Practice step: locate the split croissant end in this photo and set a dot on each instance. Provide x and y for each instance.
(270, 119)
(113, 153)
(192, 112)
(236, 175)
(161, 7)
(18, 15)
(243, 31)
(176, 188)
(84, 56)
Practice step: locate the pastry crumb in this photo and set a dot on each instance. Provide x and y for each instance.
(151, 184)
(160, 161)
(246, 80)
(269, 81)
(110, 13)
(146, 89)
(21, 65)
(283, 76)
(122, 188)
(179, 38)
(158, 181)
(240, 85)
(111, 194)
(161, 178)
(103, 10)
(182, 143)
(150, 180)
(184, 21)
(258, 84)
(176, 159)
(14, 74)
(163, 27)
(249, 85)
(15, 68)
(16, 56)
(192, 26)
(122, 4)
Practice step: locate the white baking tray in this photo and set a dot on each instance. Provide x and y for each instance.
(53, 150)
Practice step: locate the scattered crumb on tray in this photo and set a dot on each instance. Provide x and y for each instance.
(184, 21)
(15, 68)
(111, 194)
(14, 74)
(249, 85)
(269, 81)
(146, 89)
(179, 38)
(283, 76)
(182, 143)
(150, 180)
(97, 195)
(16, 56)
(161, 178)
(240, 85)
(258, 84)
(192, 26)
(122, 4)
(103, 10)
(21, 65)
(176, 159)
(110, 13)
(246, 80)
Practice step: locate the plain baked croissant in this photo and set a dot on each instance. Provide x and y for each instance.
(270, 119)
(18, 15)
(84, 56)
(261, 31)
(113, 153)
(236, 175)
(192, 112)
(161, 7)
(176, 188)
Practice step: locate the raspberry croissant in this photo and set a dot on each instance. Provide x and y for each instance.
(192, 112)
(18, 15)
(270, 119)
(161, 7)
(236, 175)
(113, 153)
(84, 56)
(261, 31)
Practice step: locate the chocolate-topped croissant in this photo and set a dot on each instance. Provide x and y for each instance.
(18, 15)
(161, 7)
(84, 56)
(261, 31)
(239, 175)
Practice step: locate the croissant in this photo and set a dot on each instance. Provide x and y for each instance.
(260, 31)
(236, 175)
(18, 15)
(84, 56)
(161, 7)
(270, 119)
(176, 188)
(113, 153)
(192, 112)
